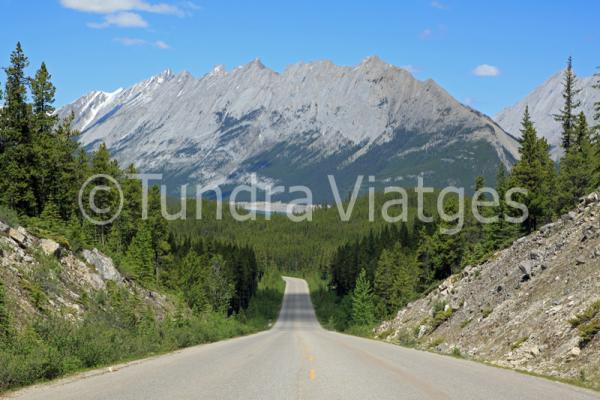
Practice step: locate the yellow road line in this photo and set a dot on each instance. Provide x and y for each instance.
(312, 374)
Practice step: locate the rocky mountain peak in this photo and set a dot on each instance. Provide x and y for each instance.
(223, 125)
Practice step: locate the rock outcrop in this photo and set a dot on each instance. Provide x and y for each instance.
(41, 277)
(517, 309)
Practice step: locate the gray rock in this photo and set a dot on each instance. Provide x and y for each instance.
(526, 267)
(4, 228)
(571, 216)
(575, 351)
(18, 237)
(580, 260)
(104, 265)
(50, 247)
(591, 198)
(537, 255)
(544, 230)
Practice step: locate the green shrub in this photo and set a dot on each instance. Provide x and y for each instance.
(436, 342)
(466, 322)
(587, 323)
(456, 352)
(517, 344)
(586, 315)
(588, 331)
(9, 216)
(439, 315)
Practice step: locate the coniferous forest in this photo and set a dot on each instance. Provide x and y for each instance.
(42, 167)
(227, 272)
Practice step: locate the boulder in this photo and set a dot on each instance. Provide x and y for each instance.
(575, 351)
(580, 260)
(50, 247)
(423, 329)
(18, 237)
(544, 230)
(526, 267)
(104, 265)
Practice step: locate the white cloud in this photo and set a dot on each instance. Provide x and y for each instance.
(127, 41)
(161, 45)
(438, 5)
(426, 34)
(113, 6)
(122, 19)
(486, 70)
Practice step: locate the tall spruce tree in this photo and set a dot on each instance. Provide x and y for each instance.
(534, 172)
(46, 146)
(363, 303)
(16, 149)
(567, 115)
(139, 258)
(576, 175)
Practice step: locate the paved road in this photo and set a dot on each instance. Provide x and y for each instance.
(297, 359)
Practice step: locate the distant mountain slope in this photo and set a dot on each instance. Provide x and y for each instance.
(545, 101)
(295, 127)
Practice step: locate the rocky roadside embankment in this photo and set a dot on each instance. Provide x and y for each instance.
(534, 306)
(42, 277)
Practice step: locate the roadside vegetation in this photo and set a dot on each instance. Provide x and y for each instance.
(219, 287)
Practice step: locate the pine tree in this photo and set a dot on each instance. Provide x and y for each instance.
(363, 303)
(576, 167)
(502, 232)
(16, 149)
(567, 115)
(534, 172)
(139, 258)
(405, 280)
(384, 275)
(102, 164)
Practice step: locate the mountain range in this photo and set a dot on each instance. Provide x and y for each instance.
(295, 128)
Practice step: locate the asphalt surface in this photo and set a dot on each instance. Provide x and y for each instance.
(297, 359)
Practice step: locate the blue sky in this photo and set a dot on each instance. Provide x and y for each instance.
(106, 44)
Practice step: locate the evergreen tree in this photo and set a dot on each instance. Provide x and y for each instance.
(102, 164)
(567, 115)
(384, 276)
(502, 232)
(16, 149)
(534, 172)
(576, 168)
(363, 303)
(139, 258)
(404, 283)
